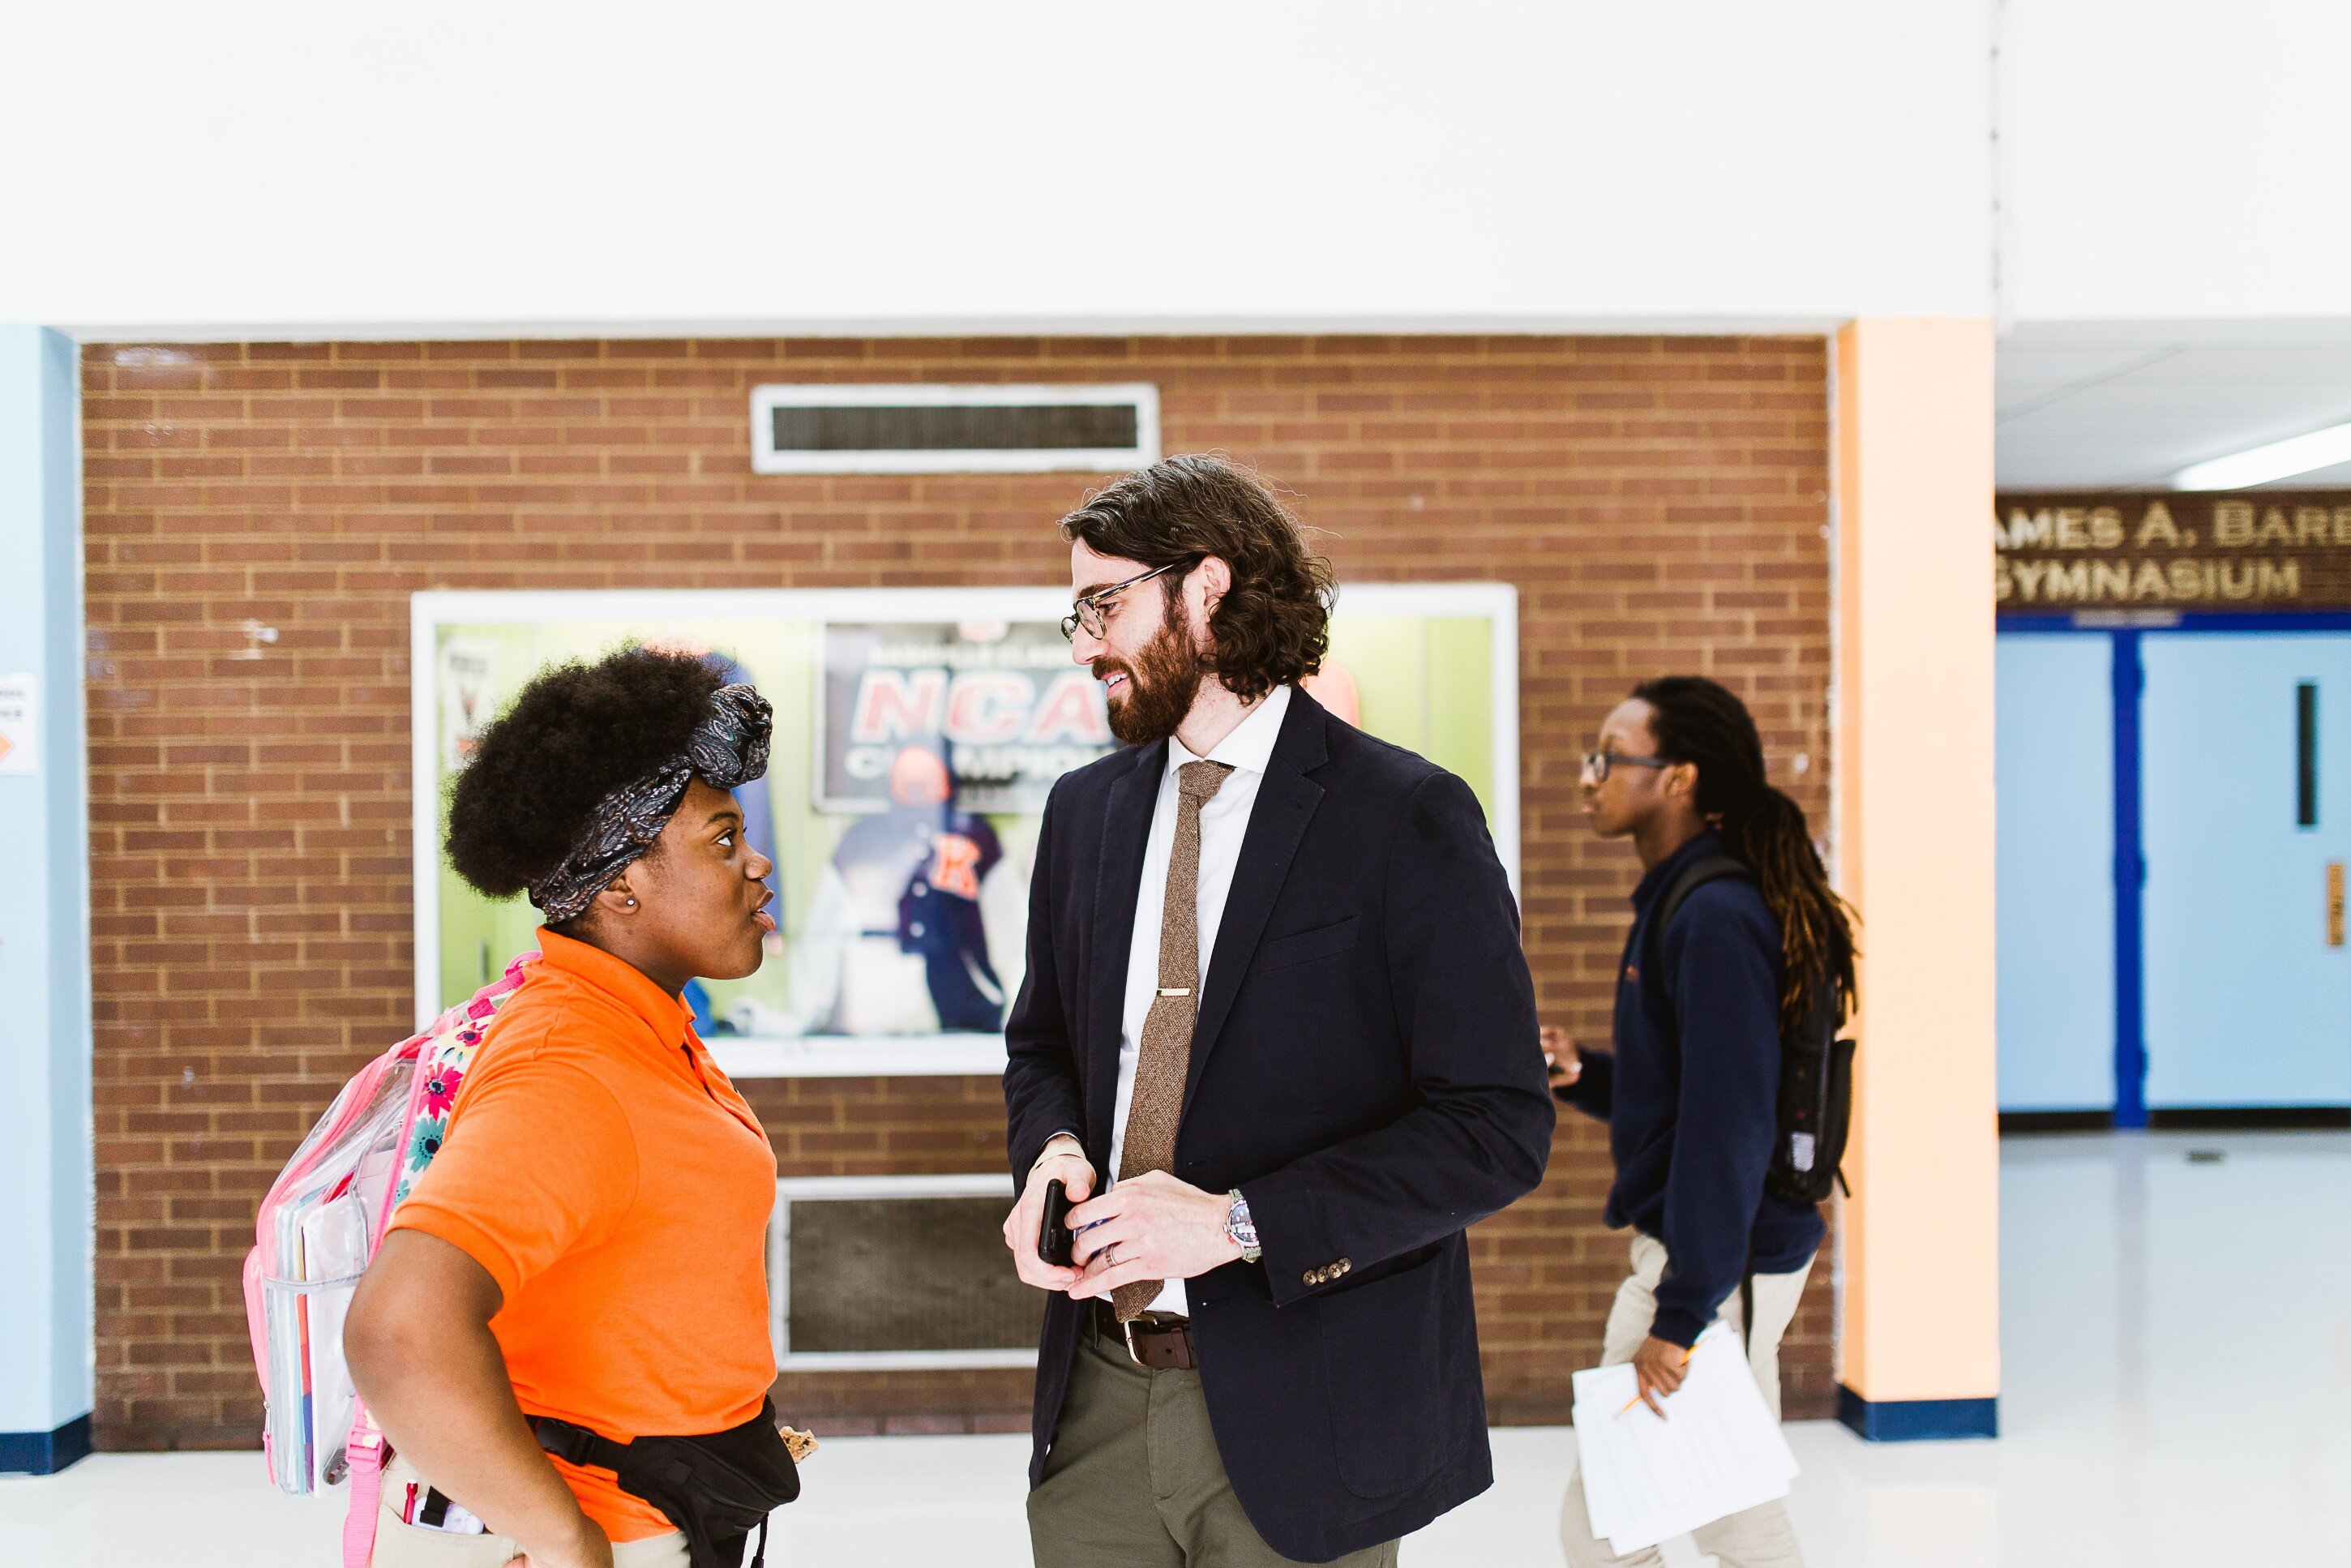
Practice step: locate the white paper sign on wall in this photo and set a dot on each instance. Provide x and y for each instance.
(19, 724)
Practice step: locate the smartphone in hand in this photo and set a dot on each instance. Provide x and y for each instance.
(1055, 1245)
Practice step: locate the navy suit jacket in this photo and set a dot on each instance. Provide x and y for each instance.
(1365, 1069)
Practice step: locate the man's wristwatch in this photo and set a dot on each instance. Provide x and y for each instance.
(1242, 1228)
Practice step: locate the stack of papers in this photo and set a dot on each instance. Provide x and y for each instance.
(1716, 1451)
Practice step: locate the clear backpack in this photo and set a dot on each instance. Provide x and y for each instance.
(317, 1229)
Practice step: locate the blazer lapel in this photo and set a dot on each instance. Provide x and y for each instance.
(1126, 833)
(1286, 800)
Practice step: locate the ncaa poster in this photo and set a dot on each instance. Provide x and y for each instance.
(917, 735)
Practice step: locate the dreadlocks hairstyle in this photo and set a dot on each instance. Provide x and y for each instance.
(575, 734)
(1273, 625)
(1695, 720)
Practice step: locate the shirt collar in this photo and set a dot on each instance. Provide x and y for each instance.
(667, 1016)
(1249, 748)
(1706, 842)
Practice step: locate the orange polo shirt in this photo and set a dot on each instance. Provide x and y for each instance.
(605, 1172)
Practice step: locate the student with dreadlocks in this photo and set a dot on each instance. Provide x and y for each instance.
(564, 1335)
(1691, 1091)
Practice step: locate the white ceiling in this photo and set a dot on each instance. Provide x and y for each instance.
(2126, 405)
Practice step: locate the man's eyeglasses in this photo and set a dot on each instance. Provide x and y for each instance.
(1088, 610)
(1598, 763)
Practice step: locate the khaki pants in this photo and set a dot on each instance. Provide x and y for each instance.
(399, 1545)
(1759, 1537)
(1133, 1479)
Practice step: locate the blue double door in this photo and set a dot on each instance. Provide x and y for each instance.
(2174, 819)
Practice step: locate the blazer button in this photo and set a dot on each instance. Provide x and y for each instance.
(1344, 1265)
(1313, 1276)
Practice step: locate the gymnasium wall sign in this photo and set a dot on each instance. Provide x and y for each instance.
(2254, 550)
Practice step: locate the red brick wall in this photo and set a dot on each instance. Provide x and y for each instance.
(1658, 502)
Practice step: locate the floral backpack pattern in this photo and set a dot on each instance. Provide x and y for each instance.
(440, 1074)
(316, 1228)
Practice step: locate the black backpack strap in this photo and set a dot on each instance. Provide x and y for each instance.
(1688, 880)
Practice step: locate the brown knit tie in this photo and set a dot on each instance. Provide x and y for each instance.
(1164, 1057)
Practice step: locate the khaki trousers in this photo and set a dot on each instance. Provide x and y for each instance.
(1133, 1478)
(399, 1545)
(1759, 1537)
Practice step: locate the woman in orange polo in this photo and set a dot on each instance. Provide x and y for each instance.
(585, 1254)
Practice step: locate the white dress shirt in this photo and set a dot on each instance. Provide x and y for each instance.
(1224, 823)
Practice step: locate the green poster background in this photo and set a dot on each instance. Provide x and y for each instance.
(1426, 683)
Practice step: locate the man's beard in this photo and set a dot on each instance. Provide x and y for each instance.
(1162, 683)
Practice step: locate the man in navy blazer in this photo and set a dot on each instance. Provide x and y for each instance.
(1275, 996)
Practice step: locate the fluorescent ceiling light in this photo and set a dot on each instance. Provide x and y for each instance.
(2278, 460)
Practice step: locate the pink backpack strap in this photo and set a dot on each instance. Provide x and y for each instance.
(365, 1456)
(442, 1054)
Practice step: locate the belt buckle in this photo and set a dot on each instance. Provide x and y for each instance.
(1142, 1320)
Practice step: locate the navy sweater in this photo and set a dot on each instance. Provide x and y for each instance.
(1691, 1095)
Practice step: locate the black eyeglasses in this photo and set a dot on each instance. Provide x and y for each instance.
(1088, 612)
(1598, 763)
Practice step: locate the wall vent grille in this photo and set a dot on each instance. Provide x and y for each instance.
(871, 1273)
(933, 429)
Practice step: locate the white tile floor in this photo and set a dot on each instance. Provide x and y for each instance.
(2178, 1392)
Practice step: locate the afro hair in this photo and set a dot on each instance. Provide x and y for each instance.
(575, 734)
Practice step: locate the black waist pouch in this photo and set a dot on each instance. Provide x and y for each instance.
(717, 1487)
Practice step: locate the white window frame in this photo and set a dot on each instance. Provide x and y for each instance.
(766, 400)
(994, 1183)
(825, 1056)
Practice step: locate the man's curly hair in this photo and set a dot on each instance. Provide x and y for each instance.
(1273, 625)
(576, 733)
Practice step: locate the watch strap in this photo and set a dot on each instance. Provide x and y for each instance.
(1242, 1227)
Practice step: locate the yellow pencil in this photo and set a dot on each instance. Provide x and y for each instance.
(1636, 1398)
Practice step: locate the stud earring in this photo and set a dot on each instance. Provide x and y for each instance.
(633, 904)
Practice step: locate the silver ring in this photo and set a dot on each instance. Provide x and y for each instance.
(1110, 1256)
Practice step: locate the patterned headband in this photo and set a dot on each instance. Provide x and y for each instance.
(728, 748)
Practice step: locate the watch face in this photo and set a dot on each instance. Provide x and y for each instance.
(1242, 1228)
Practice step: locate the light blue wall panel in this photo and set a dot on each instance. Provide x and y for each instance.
(2056, 898)
(2247, 1004)
(45, 1154)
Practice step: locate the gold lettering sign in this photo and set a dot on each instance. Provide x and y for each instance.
(2334, 903)
(2259, 551)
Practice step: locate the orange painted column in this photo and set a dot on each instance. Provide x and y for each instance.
(1918, 1331)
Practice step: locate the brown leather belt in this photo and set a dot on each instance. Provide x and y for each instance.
(1160, 1341)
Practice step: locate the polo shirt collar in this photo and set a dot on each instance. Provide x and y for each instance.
(667, 1016)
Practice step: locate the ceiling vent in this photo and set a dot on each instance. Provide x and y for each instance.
(930, 429)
